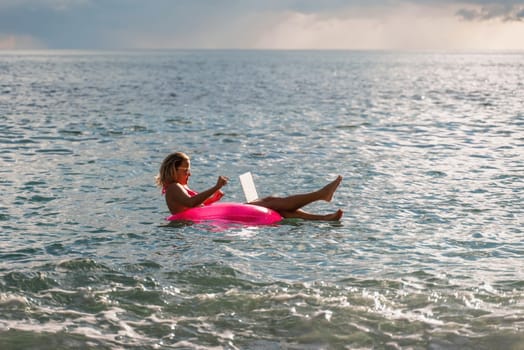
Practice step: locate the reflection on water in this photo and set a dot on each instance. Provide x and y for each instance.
(428, 254)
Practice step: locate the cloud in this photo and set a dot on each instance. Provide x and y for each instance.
(343, 24)
(405, 26)
(504, 12)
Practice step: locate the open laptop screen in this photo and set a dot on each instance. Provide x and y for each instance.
(248, 186)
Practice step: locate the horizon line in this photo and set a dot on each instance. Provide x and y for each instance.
(406, 50)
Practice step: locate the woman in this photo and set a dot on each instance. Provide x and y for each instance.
(174, 176)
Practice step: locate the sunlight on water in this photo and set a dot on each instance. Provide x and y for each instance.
(428, 253)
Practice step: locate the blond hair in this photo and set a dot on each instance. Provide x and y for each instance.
(168, 168)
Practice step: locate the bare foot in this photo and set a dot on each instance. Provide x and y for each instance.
(336, 216)
(329, 189)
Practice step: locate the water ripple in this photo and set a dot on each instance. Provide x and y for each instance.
(428, 254)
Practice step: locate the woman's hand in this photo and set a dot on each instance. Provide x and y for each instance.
(221, 181)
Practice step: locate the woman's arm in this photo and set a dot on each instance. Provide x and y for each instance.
(177, 197)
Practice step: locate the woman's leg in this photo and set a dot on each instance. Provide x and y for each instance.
(300, 214)
(293, 203)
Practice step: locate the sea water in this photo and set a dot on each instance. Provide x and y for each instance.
(429, 253)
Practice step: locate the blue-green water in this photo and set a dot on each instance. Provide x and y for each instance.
(429, 253)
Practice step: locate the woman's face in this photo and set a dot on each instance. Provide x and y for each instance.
(183, 172)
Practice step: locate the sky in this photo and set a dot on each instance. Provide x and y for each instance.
(262, 24)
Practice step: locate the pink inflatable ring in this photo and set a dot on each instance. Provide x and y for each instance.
(229, 212)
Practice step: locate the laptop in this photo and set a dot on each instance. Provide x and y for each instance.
(248, 186)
